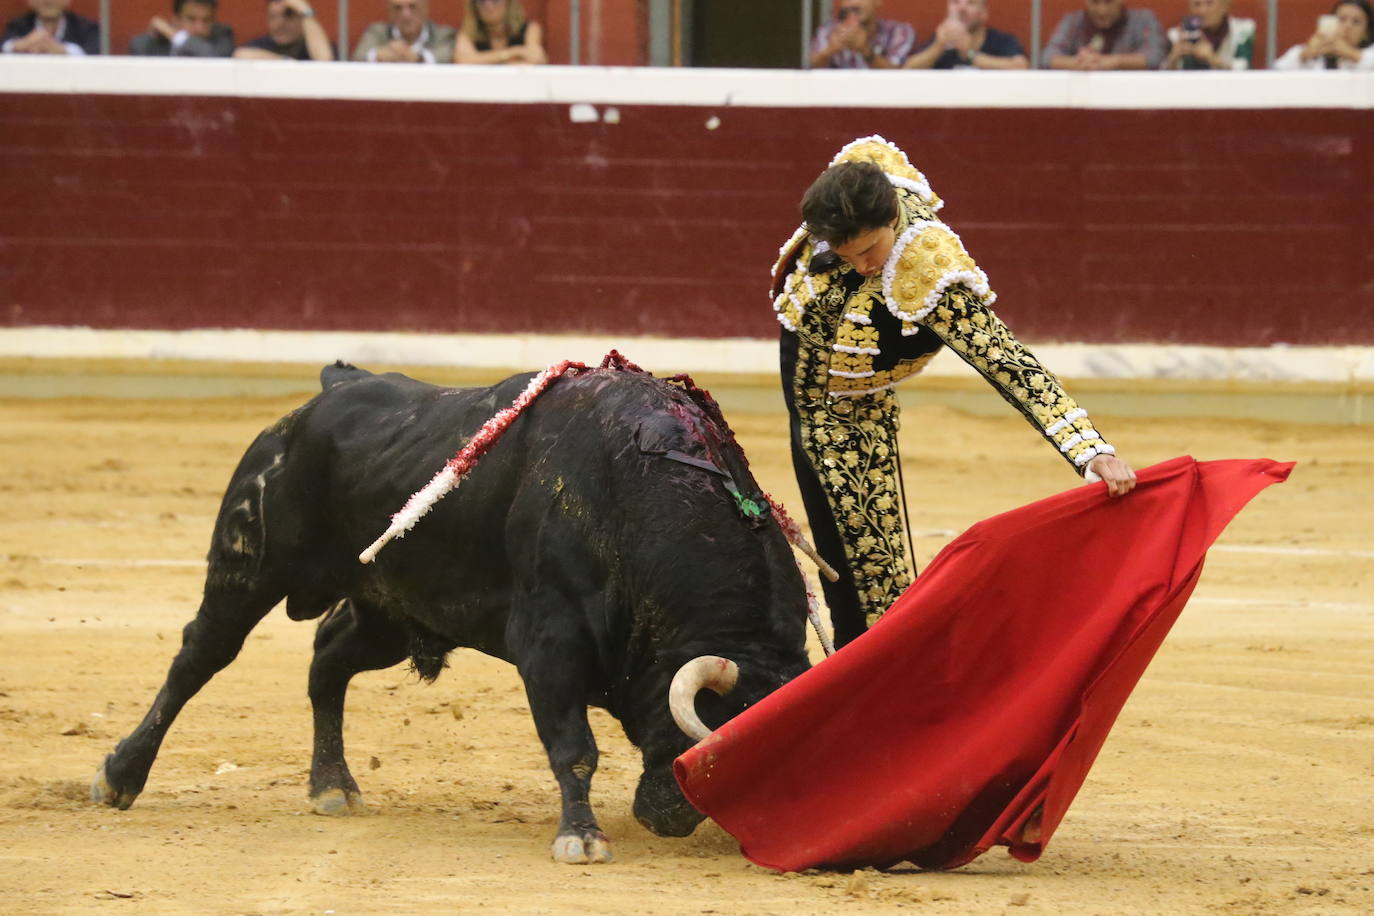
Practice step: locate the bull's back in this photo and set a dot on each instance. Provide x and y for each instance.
(374, 438)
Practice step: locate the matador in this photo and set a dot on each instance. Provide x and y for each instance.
(868, 290)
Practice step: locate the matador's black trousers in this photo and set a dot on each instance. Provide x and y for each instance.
(844, 453)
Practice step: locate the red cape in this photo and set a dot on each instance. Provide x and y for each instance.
(981, 698)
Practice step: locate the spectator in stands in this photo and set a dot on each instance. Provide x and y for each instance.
(1106, 35)
(1343, 43)
(49, 28)
(497, 32)
(856, 39)
(965, 40)
(191, 32)
(407, 37)
(293, 33)
(1210, 38)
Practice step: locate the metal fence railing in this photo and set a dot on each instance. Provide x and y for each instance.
(664, 21)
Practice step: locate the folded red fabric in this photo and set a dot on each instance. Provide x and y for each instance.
(970, 714)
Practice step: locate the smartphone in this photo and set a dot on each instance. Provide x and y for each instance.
(1191, 28)
(1328, 25)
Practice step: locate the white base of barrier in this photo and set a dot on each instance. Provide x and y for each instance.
(1339, 365)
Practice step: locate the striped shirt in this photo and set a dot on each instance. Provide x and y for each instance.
(892, 40)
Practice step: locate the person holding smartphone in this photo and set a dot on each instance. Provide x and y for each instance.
(856, 39)
(1344, 40)
(1210, 38)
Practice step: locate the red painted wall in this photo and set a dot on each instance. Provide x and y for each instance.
(1221, 227)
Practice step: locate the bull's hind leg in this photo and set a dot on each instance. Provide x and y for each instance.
(351, 639)
(556, 668)
(208, 643)
(240, 588)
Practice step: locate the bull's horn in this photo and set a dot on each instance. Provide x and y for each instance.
(711, 671)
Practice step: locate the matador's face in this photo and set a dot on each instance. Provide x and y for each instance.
(867, 252)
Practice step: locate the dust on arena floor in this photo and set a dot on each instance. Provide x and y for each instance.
(1239, 778)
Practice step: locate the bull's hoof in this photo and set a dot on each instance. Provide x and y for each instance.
(338, 803)
(102, 793)
(588, 849)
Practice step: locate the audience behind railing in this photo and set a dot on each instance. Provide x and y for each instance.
(1103, 35)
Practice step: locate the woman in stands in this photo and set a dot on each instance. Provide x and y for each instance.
(1343, 43)
(498, 32)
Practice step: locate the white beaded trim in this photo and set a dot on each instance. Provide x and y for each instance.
(1077, 413)
(895, 255)
(1092, 452)
(919, 188)
(786, 247)
(856, 393)
(857, 318)
(842, 374)
(782, 317)
(839, 157)
(1078, 439)
(975, 279)
(842, 348)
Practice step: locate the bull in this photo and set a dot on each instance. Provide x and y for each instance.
(610, 546)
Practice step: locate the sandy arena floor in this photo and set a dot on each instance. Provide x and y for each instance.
(1239, 778)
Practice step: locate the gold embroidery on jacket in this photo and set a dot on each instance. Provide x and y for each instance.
(851, 444)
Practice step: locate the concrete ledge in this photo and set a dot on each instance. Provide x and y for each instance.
(706, 87)
(1341, 366)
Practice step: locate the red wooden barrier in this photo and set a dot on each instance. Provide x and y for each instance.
(1203, 226)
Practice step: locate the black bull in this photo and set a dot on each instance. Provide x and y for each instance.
(598, 547)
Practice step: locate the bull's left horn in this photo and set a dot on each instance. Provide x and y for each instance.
(711, 671)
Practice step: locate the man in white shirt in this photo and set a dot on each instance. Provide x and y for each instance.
(407, 37)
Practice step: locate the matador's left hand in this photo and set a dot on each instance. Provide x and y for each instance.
(1117, 474)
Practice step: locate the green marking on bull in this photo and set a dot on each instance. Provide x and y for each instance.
(749, 508)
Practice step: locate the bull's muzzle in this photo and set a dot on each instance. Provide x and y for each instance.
(704, 671)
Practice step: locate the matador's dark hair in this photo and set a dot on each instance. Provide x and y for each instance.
(849, 199)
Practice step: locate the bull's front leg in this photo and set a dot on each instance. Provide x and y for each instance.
(351, 639)
(556, 671)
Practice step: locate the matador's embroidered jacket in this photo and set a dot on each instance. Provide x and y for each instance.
(929, 284)
(856, 337)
